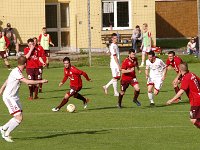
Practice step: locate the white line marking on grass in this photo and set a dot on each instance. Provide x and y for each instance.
(100, 129)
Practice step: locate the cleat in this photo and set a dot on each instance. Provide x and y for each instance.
(105, 90)
(30, 98)
(137, 102)
(8, 139)
(116, 94)
(55, 109)
(119, 106)
(152, 104)
(2, 132)
(36, 97)
(85, 103)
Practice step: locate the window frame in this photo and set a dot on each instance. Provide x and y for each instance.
(115, 15)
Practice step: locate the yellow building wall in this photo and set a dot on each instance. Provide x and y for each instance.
(26, 17)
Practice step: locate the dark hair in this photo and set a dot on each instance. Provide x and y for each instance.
(151, 53)
(137, 26)
(21, 60)
(34, 38)
(171, 52)
(131, 51)
(30, 40)
(66, 59)
(44, 28)
(114, 34)
(184, 66)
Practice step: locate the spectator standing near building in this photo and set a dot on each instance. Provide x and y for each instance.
(45, 41)
(136, 37)
(10, 34)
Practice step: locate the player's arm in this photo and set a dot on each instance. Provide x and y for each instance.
(138, 68)
(50, 41)
(39, 39)
(41, 60)
(3, 87)
(116, 59)
(7, 42)
(64, 79)
(32, 82)
(164, 69)
(180, 92)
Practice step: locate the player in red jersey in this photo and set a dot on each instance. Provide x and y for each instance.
(174, 61)
(74, 75)
(129, 77)
(190, 83)
(32, 67)
(42, 61)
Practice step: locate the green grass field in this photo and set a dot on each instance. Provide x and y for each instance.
(102, 125)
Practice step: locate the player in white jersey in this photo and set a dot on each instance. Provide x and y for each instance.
(114, 65)
(11, 98)
(155, 76)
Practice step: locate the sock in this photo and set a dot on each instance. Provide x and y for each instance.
(36, 91)
(197, 123)
(40, 86)
(79, 96)
(136, 94)
(176, 89)
(109, 83)
(115, 86)
(31, 90)
(64, 101)
(120, 99)
(150, 95)
(13, 123)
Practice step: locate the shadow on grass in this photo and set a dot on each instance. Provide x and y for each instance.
(64, 133)
(60, 90)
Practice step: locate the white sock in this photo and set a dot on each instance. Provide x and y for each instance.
(115, 86)
(5, 126)
(109, 83)
(142, 63)
(150, 95)
(13, 123)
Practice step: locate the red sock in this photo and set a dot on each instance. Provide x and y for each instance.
(36, 92)
(136, 94)
(197, 123)
(64, 101)
(31, 91)
(120, 100)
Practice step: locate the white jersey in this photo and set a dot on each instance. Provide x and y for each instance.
(13, 84)
(156, 68)
(114, 51)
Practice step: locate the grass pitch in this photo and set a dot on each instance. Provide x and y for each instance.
(102, 125)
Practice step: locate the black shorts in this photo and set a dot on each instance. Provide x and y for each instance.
(125, 84)
(195, 112)
(33, 73)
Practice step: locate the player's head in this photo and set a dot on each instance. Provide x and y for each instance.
(131, 53)
(35, 40)
(137, 27)
(183, 67)
(171, 55)
(44, 30)
(114, 38)
(192, 40)
(8, 25)
(151, 56)
(145, 26)
(21, 61)
(30, 42)
(66, 62)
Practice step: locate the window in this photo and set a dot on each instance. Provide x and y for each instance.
(116, 14)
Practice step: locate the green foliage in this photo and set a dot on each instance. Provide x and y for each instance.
(102, 125)
(172, 43)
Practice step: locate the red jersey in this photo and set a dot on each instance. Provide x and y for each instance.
(74, 75)
(41, 53)
(174, 63)
(127, 65)
(190, 83)
(33, 60)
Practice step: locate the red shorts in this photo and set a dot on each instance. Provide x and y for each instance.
(125, 84)
(74, 90)
(47, 53)
(3, 54)
(33, 73)
(195, 112)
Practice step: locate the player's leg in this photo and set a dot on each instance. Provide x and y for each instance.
(47, 54)
(116, 77)
(17, 48)
(195, 115)
(40, 75)
(150, 94)
(124, 86)
(82, 98)
(36, 77)
(7, 63)
(157, 85)
(143, 56)
(30, 74)
(176, 89)
(136, 93)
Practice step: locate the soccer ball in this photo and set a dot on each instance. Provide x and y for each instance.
(71, 108)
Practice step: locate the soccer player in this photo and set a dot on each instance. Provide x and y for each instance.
(114, 65)
(11, 99)
(32, 67)
(190, 83)
(174, 61)
(155, 76)
(146, 42)
(74, 75)
(129, 77)
(45, 41)
(42, 61)
(4, 44)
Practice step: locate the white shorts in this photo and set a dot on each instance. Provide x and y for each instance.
(115, 72)
(13, 105)
(156, 82)
(146, 49)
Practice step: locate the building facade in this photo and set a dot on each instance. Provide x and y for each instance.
(67, 20)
